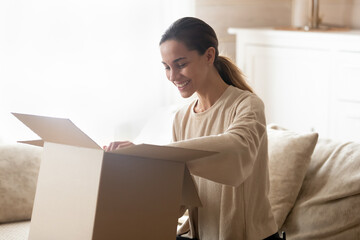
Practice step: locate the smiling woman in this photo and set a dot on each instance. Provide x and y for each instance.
(228, 118)
(85, 60)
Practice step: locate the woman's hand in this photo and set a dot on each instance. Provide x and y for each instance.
(116, 145)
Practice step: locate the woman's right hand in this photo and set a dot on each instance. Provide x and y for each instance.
(117, 145)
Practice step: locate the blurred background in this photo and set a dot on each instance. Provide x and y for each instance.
(97, 62)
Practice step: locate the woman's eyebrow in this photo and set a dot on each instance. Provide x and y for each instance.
(176, 60)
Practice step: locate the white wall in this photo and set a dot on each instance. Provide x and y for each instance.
(96, 62)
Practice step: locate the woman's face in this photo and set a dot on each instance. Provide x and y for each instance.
(187, 70)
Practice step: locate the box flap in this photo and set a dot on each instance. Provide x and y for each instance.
(57, 130)
(164, 152)
(39, 143)
(190, 195)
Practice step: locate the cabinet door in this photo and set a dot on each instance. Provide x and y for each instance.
(294, 85)
(345, 110)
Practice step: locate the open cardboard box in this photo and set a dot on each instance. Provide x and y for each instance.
(86, 193)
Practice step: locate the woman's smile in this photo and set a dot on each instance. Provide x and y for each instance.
(182, 85)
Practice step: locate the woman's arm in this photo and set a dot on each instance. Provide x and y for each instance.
(238, 146)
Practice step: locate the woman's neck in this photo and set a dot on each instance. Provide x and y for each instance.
(210, 93)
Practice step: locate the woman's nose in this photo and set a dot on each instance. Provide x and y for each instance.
(172, 75)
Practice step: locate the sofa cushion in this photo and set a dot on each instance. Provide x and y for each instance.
(328, 206)
(19, 167)
(15, 230)
(289, 158)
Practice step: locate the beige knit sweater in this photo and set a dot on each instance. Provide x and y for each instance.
(233, 185)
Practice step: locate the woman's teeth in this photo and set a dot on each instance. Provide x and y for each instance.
(183, 84)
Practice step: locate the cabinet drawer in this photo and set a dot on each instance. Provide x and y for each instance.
(347, 121)
(347, 82)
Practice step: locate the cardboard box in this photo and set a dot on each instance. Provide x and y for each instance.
(86, 193)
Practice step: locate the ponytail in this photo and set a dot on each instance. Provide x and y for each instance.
(231, 74)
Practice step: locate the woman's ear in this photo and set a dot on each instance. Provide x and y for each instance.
(210, 55)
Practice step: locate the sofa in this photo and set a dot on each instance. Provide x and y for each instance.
(19, 167)
(314, 183)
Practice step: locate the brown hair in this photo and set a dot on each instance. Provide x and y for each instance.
(198, 35)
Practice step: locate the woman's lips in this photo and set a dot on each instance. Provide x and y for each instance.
(181, 85)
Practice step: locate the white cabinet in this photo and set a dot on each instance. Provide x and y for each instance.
(309, 81)
(345, 101)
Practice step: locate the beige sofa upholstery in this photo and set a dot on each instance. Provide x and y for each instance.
(325, 188)
(328, 205)
(314, 192)
(14, 230)
(19, 167)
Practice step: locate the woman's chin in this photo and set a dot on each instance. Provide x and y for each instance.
(186, 94)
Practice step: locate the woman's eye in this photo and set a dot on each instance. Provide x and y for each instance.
(182, 65)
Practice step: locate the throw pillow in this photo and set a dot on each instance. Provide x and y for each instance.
(19, 167)
(289, 158)
(328, 206)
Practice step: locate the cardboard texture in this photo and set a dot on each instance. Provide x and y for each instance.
(86, 193)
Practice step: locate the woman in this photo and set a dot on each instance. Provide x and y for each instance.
(227, 117)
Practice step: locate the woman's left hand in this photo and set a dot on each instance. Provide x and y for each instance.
(116, 145)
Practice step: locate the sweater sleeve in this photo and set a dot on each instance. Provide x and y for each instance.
(237, 147)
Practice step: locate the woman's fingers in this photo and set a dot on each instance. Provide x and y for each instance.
(124, 144)
(112, 146)
(116, 145)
